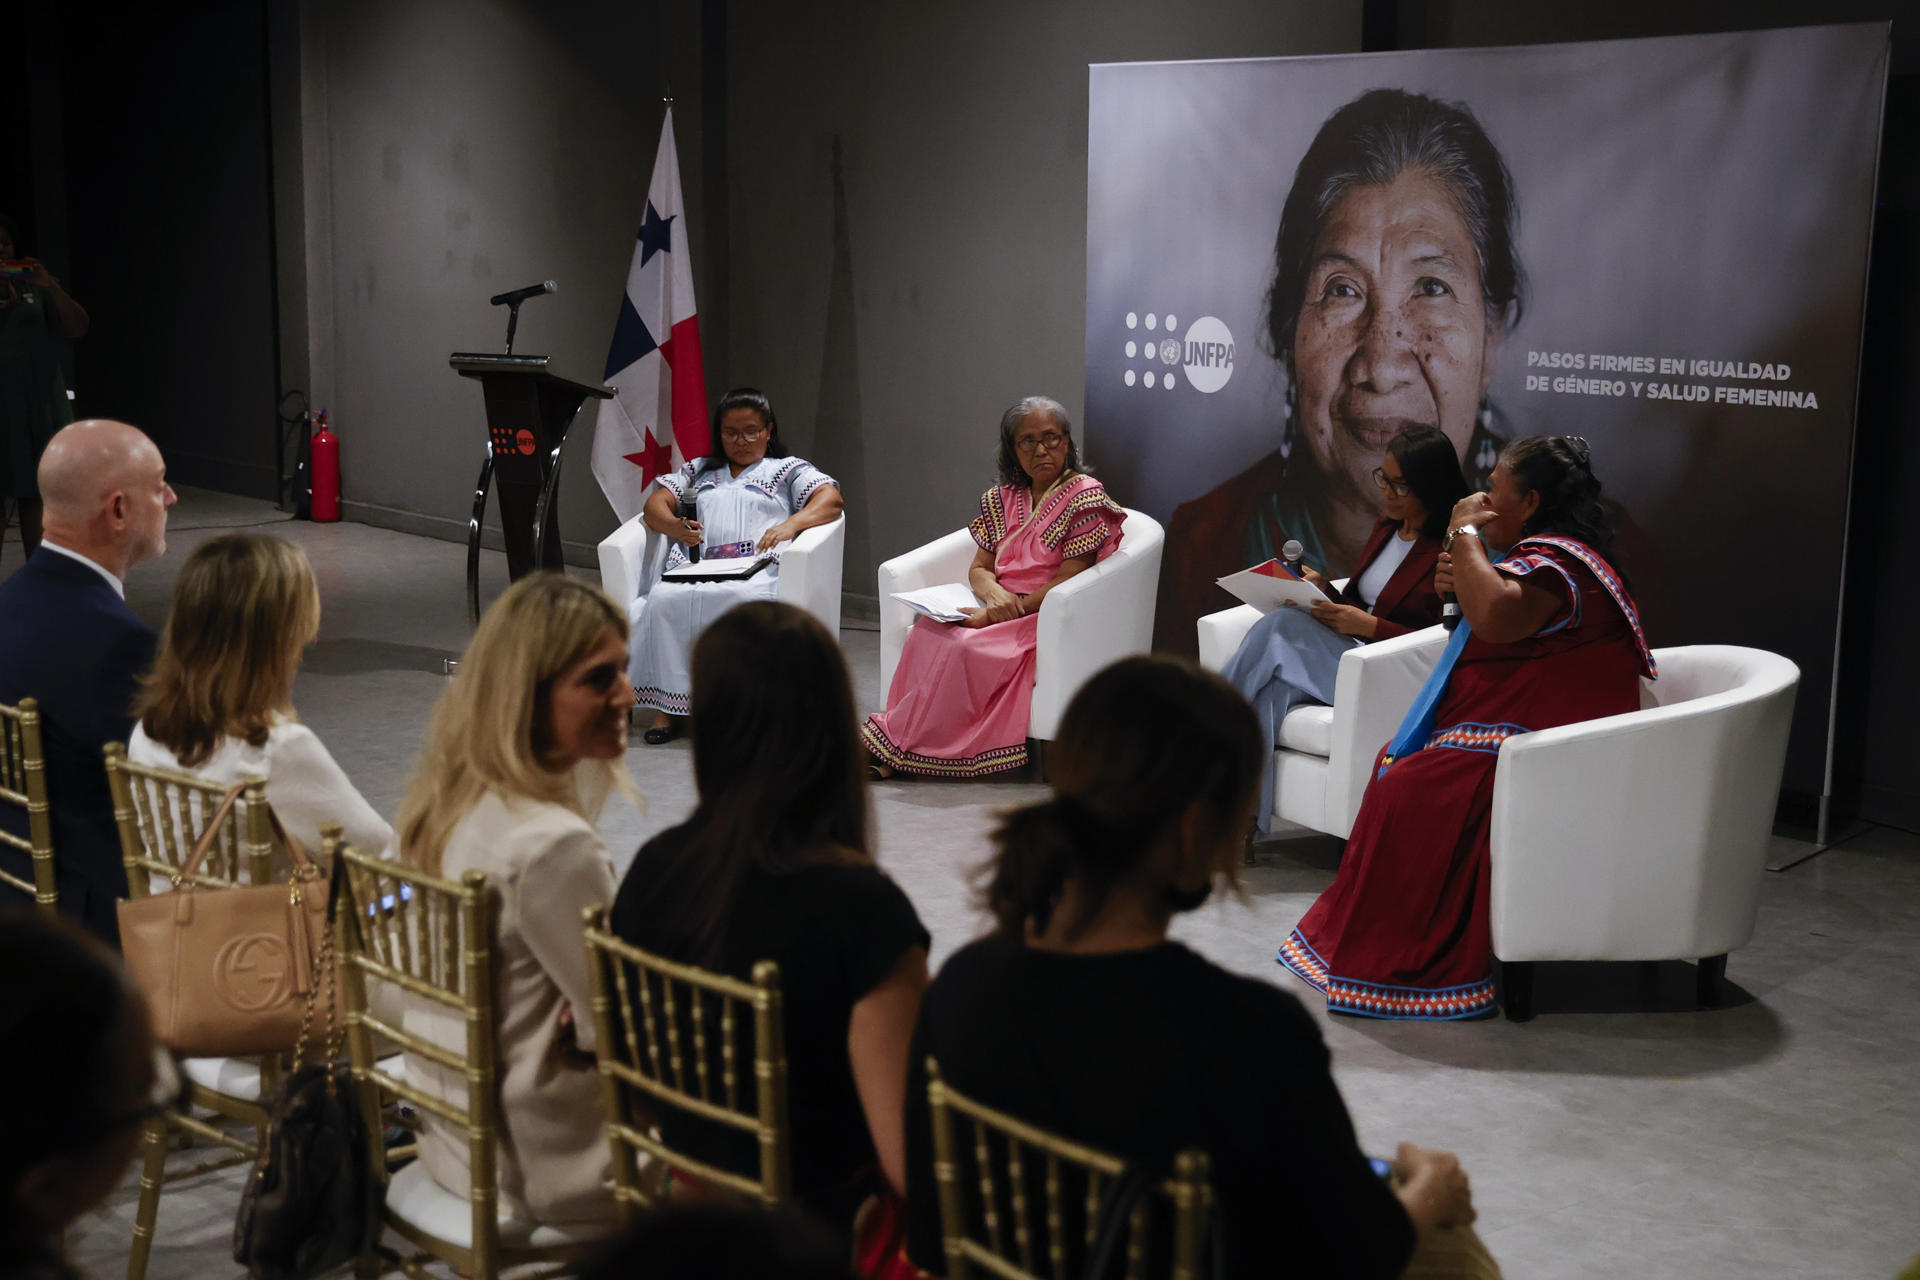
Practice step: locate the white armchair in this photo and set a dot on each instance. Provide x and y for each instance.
(810, 567)
(1643, 836)
(1106, 612)
(1326, 754)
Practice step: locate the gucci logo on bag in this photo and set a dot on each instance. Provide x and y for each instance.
(253, 972)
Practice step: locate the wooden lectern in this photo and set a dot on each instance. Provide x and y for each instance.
(528, 412)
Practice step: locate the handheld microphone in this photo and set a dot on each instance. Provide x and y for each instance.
(1290, 552)
(516, 296)
(1450, 614)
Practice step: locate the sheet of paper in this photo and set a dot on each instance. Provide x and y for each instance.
(1272, 586)
(712, 568)
(942, 603)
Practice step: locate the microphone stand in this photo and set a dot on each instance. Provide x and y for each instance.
(513, 321)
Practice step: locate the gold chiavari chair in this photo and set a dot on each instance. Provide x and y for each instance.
(670, 1033)
(23, 782)
(1018, 1230)
(160, 813)
(428, 942)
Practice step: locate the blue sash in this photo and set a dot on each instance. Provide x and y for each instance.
(1417, 727)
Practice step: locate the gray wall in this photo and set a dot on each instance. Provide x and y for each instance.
(892, 305)
(450, 150)
(908, 188)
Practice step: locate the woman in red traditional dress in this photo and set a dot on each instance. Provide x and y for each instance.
(961, 695)
(1550, 636)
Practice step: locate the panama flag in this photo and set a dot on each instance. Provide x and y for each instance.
(657, 418)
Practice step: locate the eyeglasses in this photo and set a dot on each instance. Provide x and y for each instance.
(1050, 441)
(1399, 488)
(732, 436)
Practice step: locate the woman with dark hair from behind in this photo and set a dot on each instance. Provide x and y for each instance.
(1549, 636)
(776, 864)
(747, 496)
(73, 1116)
(1078, 1014)
(1288, 657)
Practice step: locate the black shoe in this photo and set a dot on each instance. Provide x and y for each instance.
(657, 737)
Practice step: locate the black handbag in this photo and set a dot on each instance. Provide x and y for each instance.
(309, 1205)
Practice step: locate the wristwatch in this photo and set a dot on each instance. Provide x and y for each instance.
(1454, 533)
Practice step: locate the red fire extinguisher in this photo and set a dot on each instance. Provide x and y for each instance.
(326, 473)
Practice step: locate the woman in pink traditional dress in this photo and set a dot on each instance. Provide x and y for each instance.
(960, 697)
(1549, 637)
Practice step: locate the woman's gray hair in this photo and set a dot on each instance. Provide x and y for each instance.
(1371, 141)
(1008, 458)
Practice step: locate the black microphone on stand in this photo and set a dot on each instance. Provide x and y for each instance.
(512, 299)
(513, 296)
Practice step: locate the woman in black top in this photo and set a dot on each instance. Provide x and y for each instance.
(775, 865)
(1078, 1015)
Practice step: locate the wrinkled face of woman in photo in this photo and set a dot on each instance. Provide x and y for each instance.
(1393, 329)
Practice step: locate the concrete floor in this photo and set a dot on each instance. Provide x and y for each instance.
(1622, 1133)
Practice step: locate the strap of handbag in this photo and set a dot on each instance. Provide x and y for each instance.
(329, 979)
(303, 866)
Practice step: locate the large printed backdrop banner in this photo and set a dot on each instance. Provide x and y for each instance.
(1683, 286)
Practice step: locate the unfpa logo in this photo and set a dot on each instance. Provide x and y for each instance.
(1208, 352)
(1204, 355)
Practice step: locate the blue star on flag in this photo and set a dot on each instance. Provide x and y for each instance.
(656, 234)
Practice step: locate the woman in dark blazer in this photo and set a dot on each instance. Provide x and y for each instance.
(1290, 657)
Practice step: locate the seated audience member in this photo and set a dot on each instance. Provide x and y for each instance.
(1078, 1015)
(775, 864)
(73, 1118)
(1292, 656)
(1549, 636)
(71, 642)
(962, 691)
(720, 1241)
(747, 495)
(520, 752)
(219, 703)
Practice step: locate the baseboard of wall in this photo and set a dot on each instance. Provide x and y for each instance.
(584, 555)
(858, 611)
(1890, 806)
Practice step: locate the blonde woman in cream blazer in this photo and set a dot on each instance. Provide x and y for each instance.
(521, 750)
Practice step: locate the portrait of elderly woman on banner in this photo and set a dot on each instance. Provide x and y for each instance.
(963, 691)
(1395, 282)
(748, 497)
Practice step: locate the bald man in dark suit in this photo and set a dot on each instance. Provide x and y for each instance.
(68, 639)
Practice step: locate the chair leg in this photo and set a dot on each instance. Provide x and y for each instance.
(1518, 1003)
(1707, 980)
(152, 1171)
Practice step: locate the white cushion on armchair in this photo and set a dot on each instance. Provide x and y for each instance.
(1326, 754)
(1087, 622)
(810, 567)
(1644, 836)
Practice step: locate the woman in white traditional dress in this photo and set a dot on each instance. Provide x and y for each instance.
(746, 497)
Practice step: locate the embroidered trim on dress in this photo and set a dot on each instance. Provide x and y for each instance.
(1468, 736)
(1611, 581)
(674, 704)
(1373, 1000)
(998, 760)
(1521, 566)
(1091, 497)
(989, 528)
